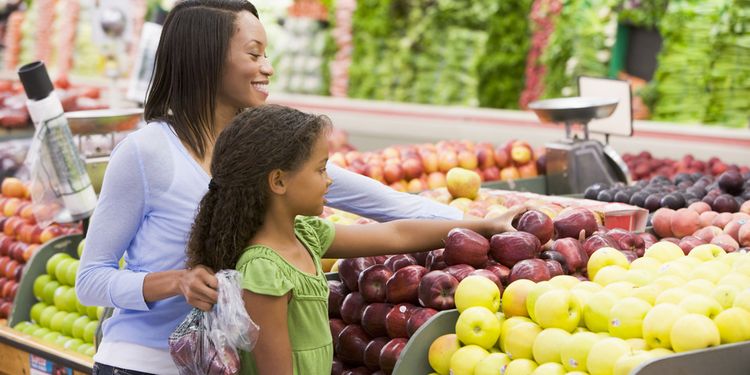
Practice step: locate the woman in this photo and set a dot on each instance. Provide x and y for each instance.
(210, 64)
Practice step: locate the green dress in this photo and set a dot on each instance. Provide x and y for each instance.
(265, 272)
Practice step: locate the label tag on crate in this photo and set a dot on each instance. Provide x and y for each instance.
(41, 366)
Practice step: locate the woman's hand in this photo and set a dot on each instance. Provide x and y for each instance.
(199, 286)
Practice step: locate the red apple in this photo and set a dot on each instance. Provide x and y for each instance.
(372, 281)
(5, 309)
(662, 222)
(404, 284)
(373, 319)
(538, 224)
(336, 293)
(435, 260)
(502, 158)
(554, 267)
(464, 246)
(421, 257)
(352, 307)
(419, 317)
(744, 235)
(733, 227)
(628, 241)
(429, 161)
(511, 247)
(436, 290)
(459, 271)
(390, 354)
(393, 172)
(556, 256)
(50, 233)
(375, 171)
(502, 272)
(413, 168)
(447, 160)
(726, 242)
(689, 242)
(571, 221)
(349, 270)
(5, 244)
(708, 233)
(486, 157)
(396, 262)
(396, 319)
(337, 367)
(336, 326)
(596, 242)
(352, 343)
(533, 269)
(648, 239)
(378, 259)
(630, 255)
(372, 352)
(490, 275)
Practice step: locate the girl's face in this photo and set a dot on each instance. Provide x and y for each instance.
(309, 185)
(246, 70)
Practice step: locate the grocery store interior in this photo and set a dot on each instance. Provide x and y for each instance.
(621, 127)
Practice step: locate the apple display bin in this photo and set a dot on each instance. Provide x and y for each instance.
(536, 185)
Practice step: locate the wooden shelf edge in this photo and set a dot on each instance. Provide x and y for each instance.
(32, 345)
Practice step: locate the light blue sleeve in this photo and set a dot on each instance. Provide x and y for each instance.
(117, 217)
(366, 197)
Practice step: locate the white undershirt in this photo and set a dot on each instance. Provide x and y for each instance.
(136, 357)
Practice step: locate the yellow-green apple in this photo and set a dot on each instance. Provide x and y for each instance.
(637, 344)
(706, 252)
(640, 277)
(674, 268)
(700, 304)
(664, 251)
(672, 295)
(694, 331)
(463, 183)
(558, 308)
(647, 264)
(735, 279)
(742, 300)
(505, 329)
(712, 270)
(596, 312)
(733, 325)
(626, 317)
(669, 281)
(467, 160)
(549, 368)
(621, 288)
(548, 344)
(627, 363)
(724, 294)
(478, 326)
(565, 281)
(610, 274)
(440, 352)
(520, 340)
(509, 173)
(647, 293)
(604, 354)
(514, 298)
(700, 286)
(466, 358)
(477, 291)
(537, 290)
(588, 286)
(492, 364)
(575, 351)
(661, 352)
(520, 366)
(603, 257)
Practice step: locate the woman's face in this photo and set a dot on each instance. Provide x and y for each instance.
(247, 70)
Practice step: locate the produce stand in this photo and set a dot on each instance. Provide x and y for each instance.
(18, 351)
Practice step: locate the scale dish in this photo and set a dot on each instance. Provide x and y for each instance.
(574, 109)
(104, 121)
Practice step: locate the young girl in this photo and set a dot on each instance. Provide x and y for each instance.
(260, 217)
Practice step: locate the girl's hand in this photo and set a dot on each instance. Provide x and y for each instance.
(199, 286)
(502, 223)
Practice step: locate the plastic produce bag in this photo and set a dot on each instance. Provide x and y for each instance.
(208, 342)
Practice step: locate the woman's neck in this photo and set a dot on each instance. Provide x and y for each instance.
(222, 117)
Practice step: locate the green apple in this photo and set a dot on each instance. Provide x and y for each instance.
(54, 260)
(84, 348)
(587, 286)
(733, 325)
(706, 252)
(90, 351)
(537, 290)
(694, 331)
(61, 270)
(89, 331)
(478, 326)
(71, 271)
(724, 294)
(621, 288)
(520, 340)
(596, 311)
(700, 304)
(604, 354)
(664, 251)
(603, 257)
(505, 329)
(36, 311)
(520, 366)
(466, 358)
(712, 270)
(514, 298)
(492, 364)
(39, 333)
(558, 308)
(565, 281)
(80, 308)
(477, 291)
(70, 299)
(574, 353)
(549, 368)
(657, 325)
(20, 326)
(640, 277)
(548, 343)
(61, 340)
(73, 344)
(51, 336)
(67, 324)
(30, 329)
(672, 295)
(56, 322)
(92, 311)
(440, 352)
(48, 293)
(700, 286)
(79, 248)
(60, 299)
(39, 283)
(46, 316)
(79, 326)
(646, 264)
(735, 279)
(627, 363)
(99, 312)
(647, 293)
(610, 274)
(626, 317)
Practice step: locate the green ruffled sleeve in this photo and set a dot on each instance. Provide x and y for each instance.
(318, 233)
(263, 276)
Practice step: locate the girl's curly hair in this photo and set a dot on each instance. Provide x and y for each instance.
(256, 142)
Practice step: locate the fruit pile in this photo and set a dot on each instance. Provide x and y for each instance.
(20, 238)
(415, 168)
(58, 317)
(663, 303)
(12, 154)
(697, 225)
(727, 193)
(644, 166)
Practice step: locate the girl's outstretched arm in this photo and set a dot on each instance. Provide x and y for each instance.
(407, 236)
(273, 351)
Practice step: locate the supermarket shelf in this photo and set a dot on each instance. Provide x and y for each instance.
(377, 124)
(14, 344)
